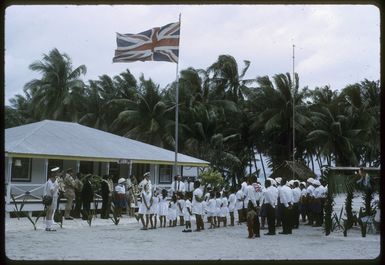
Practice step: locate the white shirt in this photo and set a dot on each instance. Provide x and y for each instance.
(317, 193)
(243, 187)
(239, 202)
(187, 205)
(177, 186)
(323, 191)
(296, 194)
(310, 190)
(211, 206)
(120, 189)
(143, 183)
(232, 200)
(51, 188)
(197, 206)
(271, 196)
(188, 187)
(286, 196)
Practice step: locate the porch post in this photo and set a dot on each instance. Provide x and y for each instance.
(9, 172)
(77, 166)
(45, 169)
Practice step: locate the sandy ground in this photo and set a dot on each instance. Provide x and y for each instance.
(103, 240)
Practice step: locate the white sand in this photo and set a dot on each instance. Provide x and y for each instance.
(106, 241)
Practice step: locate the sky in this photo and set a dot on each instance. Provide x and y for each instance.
(335, 45)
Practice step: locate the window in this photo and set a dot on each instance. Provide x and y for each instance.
(165, 174)
(21, 169)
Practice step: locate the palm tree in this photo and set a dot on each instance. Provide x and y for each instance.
(58, 93)
(147, 117)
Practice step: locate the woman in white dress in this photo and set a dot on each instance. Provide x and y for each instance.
(51, 188)
(163, 208)
(154, 210)
(145, 205)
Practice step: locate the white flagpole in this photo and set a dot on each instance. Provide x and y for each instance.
(293, 95)
(177, 108)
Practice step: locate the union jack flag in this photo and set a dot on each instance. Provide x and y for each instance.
(157, 44)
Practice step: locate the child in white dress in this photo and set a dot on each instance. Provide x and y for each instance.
(145, 205)
(224, 209)
(172, 211)
(218, 209)
(163, 208)
(211, 209)
(154, 210)
(187, 212)
(179, 207)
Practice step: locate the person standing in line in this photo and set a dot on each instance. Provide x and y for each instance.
(232, 201)
(172, 211)
(154, 209)
(69, 193)
(51, 188)
(145, 205)
(187, 212)
(270, 196)
(310, 201)
(145, 181)
(239, 205)
(211, 210)
(87, 197)
(177, 185)
(317, 207)
(78, 196)
(180, 205)
(278, 209)
(302, 202)
(218, 203)
(323, 199)
(163, 208)
(197, 208)
(224, 210)
(296, 200)
(263, 208)
(286, 197)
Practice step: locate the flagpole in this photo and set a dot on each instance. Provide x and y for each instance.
(293, 95)
(177, 108)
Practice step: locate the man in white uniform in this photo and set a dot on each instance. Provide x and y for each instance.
(270, 201)
(296, 198)
(197, 207)
(51, 189)
(286, 199)
(146, 180)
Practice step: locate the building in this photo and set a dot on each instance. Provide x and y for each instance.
(290, 170)
(32, 150)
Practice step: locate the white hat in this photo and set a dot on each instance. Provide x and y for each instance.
(278, 180)
(273, 182)
(55, 169)
(290, 183)
(310, 180)
(316, 182)
(146, 174)
(303, 183)
(121, 180)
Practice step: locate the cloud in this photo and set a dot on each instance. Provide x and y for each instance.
(335, 45)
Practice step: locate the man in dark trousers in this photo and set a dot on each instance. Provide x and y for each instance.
(271, 197)
(87, 196)
(106, 193)
(286, 198)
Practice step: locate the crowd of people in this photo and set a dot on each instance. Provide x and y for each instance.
(277, 203)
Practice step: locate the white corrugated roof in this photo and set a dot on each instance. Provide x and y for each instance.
(66, 139)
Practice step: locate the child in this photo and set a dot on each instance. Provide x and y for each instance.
(172, 211)
(224, 211)
(232, 200)
(144, 208)
(163, 208)
(187, 212)
(211, 209)
(154, 210)
(180, 206)
(252, 216)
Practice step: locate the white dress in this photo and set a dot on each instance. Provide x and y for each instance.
(142, 208)
(155, 205)
(186, 214)
(197, 206)
(162, 206)
(179, 211)
(232, 200)
(224, 209)
(239, 203)
(211, 208)
(171, 211)
(218, 206)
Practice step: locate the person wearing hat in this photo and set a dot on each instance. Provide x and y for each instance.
(145, 180)
(296, 198)
(302, 201)
(87, 197)
(279, 208)
(310, 199)
(270, 201)
(51, 189)
(286, 198)
(317, 209)
(69, 193)
(120, 200)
